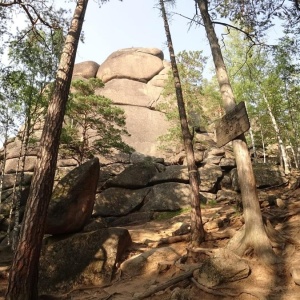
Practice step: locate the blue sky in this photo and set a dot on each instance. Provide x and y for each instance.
(137, 23)
(131, 23)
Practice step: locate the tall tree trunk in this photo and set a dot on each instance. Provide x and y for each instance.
(23, 279)
(23, 152)
(283, 154)
(15, 196)
(295, 128)
(3, 163)
(252, 138)
(262, 141)
(294, 155)
(197, 230)
(254, 235)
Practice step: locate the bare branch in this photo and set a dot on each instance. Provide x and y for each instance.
(2, 4)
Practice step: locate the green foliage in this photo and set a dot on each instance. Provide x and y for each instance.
(201, 97)
(256, 17)
(34, 61)
(93, 125)
(261, 74)
(10, 105)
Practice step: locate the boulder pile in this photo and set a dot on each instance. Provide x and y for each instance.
(91, 203)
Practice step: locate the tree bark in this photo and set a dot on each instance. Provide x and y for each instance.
(23, 278)
(254, 235)
(197, 230)
(283, 154)
(262, 138)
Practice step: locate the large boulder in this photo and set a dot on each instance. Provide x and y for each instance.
(118, 201)
(169, 196)
(266, 175)
(9, 180)
(73, 199)
(131, 92)
(135, 176)
(81, 259)
(12, 164)
(145, 127)
(86, 69)
(176, 173)
(210, 175)
(139, 64)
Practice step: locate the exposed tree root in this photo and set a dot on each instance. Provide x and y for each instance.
(169, 240)
(207, 251)
(174, 239)
(227, 233)
(165, 285)
(224, 293)
(276, 238)
(243, 243)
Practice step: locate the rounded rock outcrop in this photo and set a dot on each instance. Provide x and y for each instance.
(123, 64)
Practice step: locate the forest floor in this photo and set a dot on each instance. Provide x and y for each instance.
(281, 206)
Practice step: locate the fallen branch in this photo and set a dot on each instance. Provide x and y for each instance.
(207, 251)
(218, 292)
(168, 240)
(167, 284)
(227, 233)
(174, 239)
(212, 291)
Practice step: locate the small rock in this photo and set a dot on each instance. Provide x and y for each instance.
(214, 224)
(185, 228)
(295, 272)
(265, 204)
(279, 202)
(180, 294)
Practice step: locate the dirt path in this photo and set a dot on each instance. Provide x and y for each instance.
(263, 283)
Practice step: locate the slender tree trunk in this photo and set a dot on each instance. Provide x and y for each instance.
(15, 195)
(294, 155)
(282, 150)
(295, 128)
(197, 230)
(23, 279)
(19, 191)
(263, 143)
(3, 163)
(254, 235)
(252, 137)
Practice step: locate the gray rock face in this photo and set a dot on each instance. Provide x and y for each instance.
(73, 199)
(130, 92)
(172, 173)
(170, 196)
(266, 175)
(81, 259)
(123, 64)
(145, 126)
(135, 176)
(11, 165)
(209, 176)
(118, 201)
(9, 180)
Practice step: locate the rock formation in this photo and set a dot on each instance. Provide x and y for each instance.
(130, 189)
(134, 79)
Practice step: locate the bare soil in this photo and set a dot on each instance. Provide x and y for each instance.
(281, 206)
